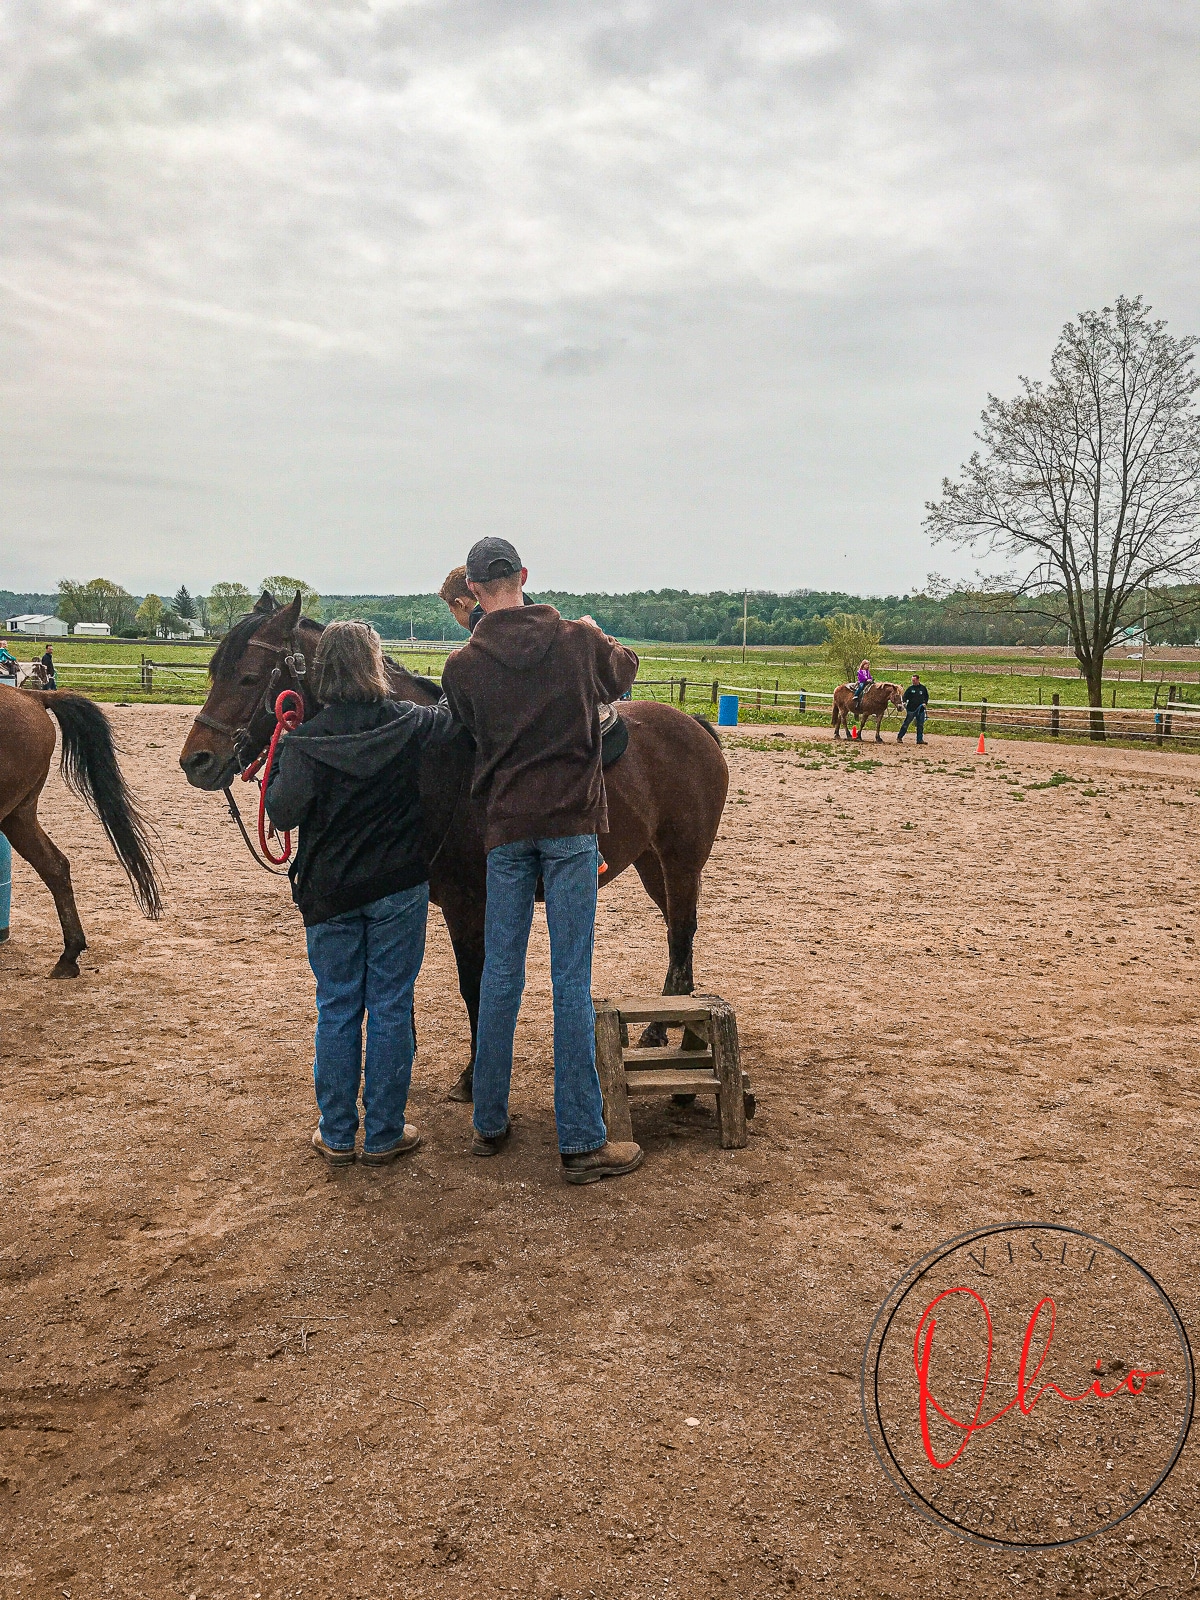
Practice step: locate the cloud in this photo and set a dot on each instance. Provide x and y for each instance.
(209, 210)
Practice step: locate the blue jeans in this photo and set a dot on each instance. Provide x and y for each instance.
(917, 716)
(567, 867)
(367, 960)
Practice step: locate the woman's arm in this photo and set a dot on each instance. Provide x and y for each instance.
(291, 789)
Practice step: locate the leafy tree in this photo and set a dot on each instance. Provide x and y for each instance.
(227, 602)
(200, 601)
(283, 591)
(1090, 481)
(150, 614)
(184, 605)
(101, 600)
(849, 640)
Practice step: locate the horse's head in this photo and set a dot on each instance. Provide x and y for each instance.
(262, 654)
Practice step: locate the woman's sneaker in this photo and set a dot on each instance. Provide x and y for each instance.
(610, 1161)
(409, 1140)
(335, 1158)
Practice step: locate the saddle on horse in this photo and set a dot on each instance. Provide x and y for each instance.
(614, 735)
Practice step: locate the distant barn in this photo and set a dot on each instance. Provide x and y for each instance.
(40, 627)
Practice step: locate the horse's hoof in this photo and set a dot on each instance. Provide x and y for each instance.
(463, 1089)
(66, 969)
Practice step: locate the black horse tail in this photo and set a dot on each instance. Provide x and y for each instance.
(706, 725)
(89, 767)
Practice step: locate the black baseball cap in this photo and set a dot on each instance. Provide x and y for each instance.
(492, 558)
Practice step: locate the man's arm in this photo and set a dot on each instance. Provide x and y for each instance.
(616, 665)
(291, 789)
(458, 702)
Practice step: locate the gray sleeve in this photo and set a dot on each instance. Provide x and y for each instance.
(436, 724)
(291, 790)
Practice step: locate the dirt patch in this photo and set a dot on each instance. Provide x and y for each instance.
(226, 1372)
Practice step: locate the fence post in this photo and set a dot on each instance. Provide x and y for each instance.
(682, 689)
(776, 691)
(1054, 716)
(803, 700)
(1167, 721)
(983, 716)
(960, 694)
(1158, 727)
(716, 686)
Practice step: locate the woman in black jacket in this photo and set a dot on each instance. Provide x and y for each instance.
(347, 780)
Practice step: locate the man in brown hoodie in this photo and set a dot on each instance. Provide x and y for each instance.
(529, 686)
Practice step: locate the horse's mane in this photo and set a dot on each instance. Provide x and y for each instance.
(428, 684)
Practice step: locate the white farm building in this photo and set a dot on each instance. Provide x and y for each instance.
(91, 630)
(40, 627)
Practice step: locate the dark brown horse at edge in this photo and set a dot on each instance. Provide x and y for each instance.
(90, 769)
(877, 697)
(665, 794)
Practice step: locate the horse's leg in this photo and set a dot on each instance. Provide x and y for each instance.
(649, 870)
(678, 883)
(29, 840)
(879, 725)
(464, 922)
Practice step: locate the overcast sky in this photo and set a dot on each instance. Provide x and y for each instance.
(690, 294)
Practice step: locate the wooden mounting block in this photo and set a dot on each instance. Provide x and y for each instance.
(713, 1066)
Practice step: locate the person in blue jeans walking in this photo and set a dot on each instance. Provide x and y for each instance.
(916, 698)
(347, 779)
(529, 686)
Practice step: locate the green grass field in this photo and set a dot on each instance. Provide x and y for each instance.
(111, 670)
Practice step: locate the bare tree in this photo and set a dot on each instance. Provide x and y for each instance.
(1090, 482)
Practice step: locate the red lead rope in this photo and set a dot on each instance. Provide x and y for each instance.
(287, 719)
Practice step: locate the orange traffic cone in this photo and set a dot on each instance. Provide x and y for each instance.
(854, 733)
(980, 748)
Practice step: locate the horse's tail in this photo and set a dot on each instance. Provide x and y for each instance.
(89, 767)
(706, 725)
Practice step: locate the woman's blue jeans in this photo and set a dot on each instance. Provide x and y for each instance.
(367, 960)
(567, 867)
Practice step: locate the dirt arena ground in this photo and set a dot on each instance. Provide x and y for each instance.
(228, 1373)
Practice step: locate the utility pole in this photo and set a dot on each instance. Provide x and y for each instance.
(745, 597)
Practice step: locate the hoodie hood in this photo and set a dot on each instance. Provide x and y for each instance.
(518, 639)
(360, 752)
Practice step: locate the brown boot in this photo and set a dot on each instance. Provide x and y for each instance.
(409, 1140)
(610, 1161)
(335, 1158)
(481, 1145)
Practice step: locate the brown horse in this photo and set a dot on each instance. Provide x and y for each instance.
(89, 766)
(877, 697)
(665, 794)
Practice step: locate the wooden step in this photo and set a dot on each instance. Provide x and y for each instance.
(672, 1081)
(661, 1008)
(665, 1056)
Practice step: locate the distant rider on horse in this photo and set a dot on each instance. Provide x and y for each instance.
(864, 682)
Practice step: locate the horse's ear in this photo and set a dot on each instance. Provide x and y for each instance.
(293, 611)
(265, 603)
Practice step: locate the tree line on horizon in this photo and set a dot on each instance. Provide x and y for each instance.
(940, 614)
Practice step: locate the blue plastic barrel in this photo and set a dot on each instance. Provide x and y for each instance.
(727, 707)
(5, 885)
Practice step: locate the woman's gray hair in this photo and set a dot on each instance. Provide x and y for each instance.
(349, 664)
